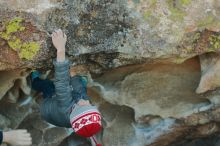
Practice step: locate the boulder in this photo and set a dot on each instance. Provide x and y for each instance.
(144, 60)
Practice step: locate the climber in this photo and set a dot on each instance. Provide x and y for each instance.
(19, 137)
(65, 102)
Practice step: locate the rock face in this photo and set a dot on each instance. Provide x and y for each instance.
(153, 67)
(153, 89)
(210, 69)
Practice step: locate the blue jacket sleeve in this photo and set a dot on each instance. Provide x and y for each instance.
(62, 83)
(54, 114)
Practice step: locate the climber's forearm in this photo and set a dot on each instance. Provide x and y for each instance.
(61, 55)
(59, 41)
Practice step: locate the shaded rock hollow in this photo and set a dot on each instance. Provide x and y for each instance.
(145, 59)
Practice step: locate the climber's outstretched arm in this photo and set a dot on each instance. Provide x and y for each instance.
(62, 77)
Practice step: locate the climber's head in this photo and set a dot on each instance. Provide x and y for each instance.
(86, 120)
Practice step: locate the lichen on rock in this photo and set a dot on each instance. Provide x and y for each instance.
(176, 9)
(26, 50)
(22, 38)
(14, 25)
(214, 42)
